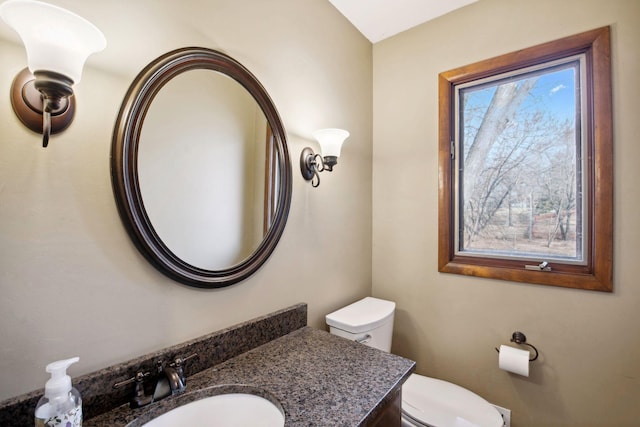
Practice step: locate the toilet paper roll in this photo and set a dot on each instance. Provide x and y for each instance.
(514, 360)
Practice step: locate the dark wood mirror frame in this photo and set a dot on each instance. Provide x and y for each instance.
(597, 274)
(124, 172)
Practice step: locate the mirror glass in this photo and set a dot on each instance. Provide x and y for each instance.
(202, 171)
(200, 168)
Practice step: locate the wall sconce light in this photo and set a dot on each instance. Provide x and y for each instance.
(311, 164)
(58, 43)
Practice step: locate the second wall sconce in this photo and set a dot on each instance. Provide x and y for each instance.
(311, 164)
(58, 43)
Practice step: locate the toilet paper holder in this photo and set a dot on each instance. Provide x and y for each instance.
(520, 339)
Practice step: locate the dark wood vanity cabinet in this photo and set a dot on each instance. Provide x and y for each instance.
(390, 414)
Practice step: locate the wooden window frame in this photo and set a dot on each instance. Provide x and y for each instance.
(597, 273)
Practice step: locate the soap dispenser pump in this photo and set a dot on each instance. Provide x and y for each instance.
(61, 404)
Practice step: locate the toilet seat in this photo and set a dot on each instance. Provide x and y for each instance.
(437, 403)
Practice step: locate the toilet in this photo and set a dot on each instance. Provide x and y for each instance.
(426, 402)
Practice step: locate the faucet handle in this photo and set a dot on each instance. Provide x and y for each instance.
(139, 397)
(179, 361)
(177, 364)
(139, 377)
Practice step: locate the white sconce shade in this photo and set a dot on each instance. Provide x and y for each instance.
(55, 39)
(311, 164)
(331, 140)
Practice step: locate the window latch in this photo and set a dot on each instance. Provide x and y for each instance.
(543, 266)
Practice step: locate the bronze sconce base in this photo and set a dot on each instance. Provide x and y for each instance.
(27, 102)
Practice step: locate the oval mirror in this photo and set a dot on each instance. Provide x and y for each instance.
(200, 168)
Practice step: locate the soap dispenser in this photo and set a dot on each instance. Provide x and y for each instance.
(61, 404)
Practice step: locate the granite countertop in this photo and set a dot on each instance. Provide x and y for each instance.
(318, 379)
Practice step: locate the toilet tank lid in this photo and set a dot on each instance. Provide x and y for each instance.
(366, 314)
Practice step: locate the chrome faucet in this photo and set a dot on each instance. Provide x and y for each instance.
(168, 382)
(171, 379)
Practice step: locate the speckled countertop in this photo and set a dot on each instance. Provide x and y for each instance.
(318, 379)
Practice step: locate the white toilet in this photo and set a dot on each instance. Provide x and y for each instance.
(425, 401)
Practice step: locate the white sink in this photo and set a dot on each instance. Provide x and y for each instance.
(223, 410)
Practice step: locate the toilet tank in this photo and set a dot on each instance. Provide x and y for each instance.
(368, 321)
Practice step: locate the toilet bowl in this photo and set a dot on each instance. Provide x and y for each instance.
(426, 402)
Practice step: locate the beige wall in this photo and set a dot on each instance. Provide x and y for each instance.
(71, 281)
(589, 369)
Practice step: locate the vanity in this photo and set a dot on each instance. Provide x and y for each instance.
(315, 378)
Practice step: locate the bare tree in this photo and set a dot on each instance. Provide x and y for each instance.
(501, 111)
(489, 167)
(558, 184)
(515, 153)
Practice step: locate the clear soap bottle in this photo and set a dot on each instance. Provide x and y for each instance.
(61, 404)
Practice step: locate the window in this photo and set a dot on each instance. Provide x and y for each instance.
(525, 165)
